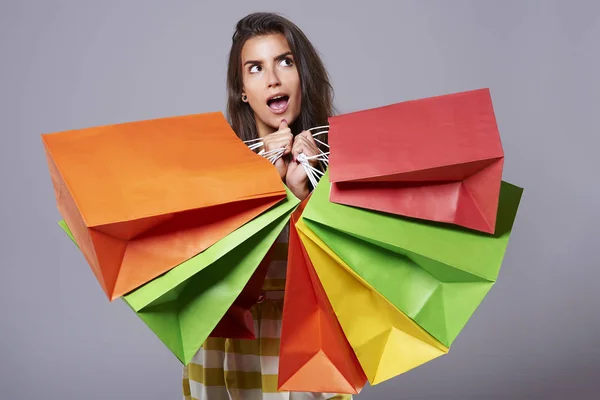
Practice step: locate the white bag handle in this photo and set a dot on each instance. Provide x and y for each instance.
(314, 175)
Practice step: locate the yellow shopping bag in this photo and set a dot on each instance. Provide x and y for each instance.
(387, 343)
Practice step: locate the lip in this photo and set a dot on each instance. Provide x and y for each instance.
(284, 109)
(277, 94)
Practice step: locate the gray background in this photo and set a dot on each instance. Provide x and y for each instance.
(82, 63)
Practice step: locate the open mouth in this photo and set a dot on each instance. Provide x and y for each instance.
(278, 103)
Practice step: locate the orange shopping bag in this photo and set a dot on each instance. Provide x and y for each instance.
(315, 355)
(142, 197)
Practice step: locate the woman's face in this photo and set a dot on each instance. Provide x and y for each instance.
(271, 81)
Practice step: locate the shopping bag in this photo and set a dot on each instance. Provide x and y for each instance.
(387, 343)
(184, 305)
(437, 159)
(155, 192)
(237, 323)
(315, 355)
(436, 274)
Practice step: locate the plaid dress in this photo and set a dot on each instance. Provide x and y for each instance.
(235, 369)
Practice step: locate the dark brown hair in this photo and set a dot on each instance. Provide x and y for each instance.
(317, 92)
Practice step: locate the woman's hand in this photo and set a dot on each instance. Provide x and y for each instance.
(282, 138)
(296, 177)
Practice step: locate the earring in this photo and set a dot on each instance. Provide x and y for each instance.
(244, 97)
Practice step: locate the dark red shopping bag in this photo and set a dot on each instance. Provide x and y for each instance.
(237, 323)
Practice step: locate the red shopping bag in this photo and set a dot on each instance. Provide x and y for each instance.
(437, 159)
(315, 355)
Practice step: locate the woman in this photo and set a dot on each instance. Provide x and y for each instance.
(276, 77)
(278, 88)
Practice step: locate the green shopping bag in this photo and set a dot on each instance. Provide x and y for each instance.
(437, 274)
(183, 306)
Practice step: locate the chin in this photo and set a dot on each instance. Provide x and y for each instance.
(274, 121)
(290, 118)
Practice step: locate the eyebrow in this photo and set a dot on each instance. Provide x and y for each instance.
(279, 57)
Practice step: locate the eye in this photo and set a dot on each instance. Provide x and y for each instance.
(255, 68)
(287, 62)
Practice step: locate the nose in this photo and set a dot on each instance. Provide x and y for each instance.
(273, 79)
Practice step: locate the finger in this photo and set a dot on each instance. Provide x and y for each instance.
(295, 150)
(305, 134)
(287, 144)
(283, 124)
(310, 149)
(275, 142)
(299, 147)
(288, 149)
(310, 139)
(285, 135)
(288, 140)
(285, 131)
